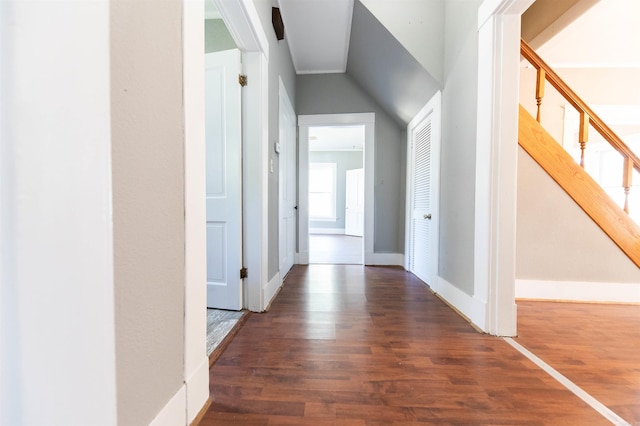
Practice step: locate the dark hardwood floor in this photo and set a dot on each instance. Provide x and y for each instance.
(353, 345)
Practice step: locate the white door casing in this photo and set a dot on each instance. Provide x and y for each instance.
(354, 206)
(287, 182)
(423, 172)
(306, 121)
(496, 165)
(223, 179)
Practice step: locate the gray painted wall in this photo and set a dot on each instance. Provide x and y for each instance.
(556, 240)
(217, 36)
(345, 160)
(419, 26)
(385, 69)
(147, 127)
(337, 93)
(458, 154)
(280, 65)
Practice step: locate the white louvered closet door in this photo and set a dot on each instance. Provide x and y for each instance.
(421, 226)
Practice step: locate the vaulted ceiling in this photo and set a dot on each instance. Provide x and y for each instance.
(328, 36)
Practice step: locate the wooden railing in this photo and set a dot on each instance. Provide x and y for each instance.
(587, 116)
(579, 185)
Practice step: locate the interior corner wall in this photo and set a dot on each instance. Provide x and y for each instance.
(458, 155)
(338, 94)
(280, 66)
(148, 205)
(556, 240)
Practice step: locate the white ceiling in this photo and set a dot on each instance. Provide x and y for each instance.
(336, 138)
(606, 35)
(317, 32)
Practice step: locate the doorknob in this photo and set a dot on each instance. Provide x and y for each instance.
(427, 216)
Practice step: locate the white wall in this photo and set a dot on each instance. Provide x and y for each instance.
(148, 205)
(556, 240)
(458, 156)
(57, 343)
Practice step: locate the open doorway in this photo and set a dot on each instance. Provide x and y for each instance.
(336, 194)
(329, 222)
(223, 178)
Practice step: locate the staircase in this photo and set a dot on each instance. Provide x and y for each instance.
(576, 182)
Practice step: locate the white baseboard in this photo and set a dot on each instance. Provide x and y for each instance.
(468, 306)
(197, 390)
(578, 291)
(271, 289)
(302, 258)
(384, 259)
(339, 231)
(174, 412)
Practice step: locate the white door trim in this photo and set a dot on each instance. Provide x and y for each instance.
(251, 39)
(306, 121)
(496, 162)
(243, 22)
(434, 107)
(255, 154)
(288, 147)
(196, 380)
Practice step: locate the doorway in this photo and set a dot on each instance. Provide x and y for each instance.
(322, 187)
(336, 194)
(423, 183)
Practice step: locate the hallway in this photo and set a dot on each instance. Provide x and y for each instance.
(355, 345)
(335, 249)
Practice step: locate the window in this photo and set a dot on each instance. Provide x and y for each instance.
(322, 191)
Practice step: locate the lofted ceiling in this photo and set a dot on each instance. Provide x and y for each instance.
(606, 35)
(343, 36)
(318, 34)
(381, 65)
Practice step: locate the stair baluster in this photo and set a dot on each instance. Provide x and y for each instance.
(583, 135)
(627, 174)
(539, 90)
(587, 117)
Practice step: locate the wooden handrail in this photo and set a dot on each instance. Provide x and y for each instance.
(577, 183)
(585, 111)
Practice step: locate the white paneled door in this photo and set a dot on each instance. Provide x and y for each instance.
(223, 179)
(424, 134)
(354, 211)
(287, 179)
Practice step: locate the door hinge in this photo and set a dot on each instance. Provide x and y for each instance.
(242, 79)
(243, 273)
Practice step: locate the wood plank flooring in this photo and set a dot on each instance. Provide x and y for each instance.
(595, 346)
(335, 249)
(353, 345)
